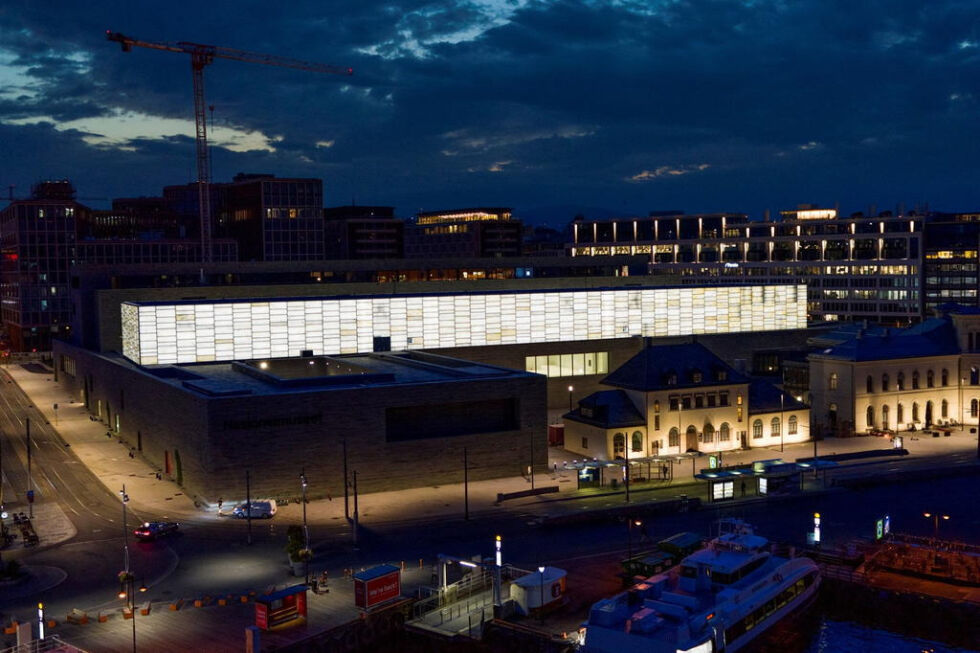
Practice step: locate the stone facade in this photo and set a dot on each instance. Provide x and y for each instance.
(277, 435)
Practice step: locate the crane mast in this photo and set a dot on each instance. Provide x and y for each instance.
(201, 56)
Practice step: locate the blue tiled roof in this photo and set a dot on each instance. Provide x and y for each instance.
(764, 398)
(673, 366)
(933, 337)
(608, 409)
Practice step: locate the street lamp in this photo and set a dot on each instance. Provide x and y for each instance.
(629, 542)
(541, 603)
(571, 389)
(126, 577)
(306, 529)
(935, 516)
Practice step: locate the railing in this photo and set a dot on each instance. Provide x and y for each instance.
(472, 584)
(50, 644)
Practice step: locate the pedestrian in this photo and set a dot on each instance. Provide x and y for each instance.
(743, 487)
(220, 502)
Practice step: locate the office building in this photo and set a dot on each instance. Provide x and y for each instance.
(855, 268)
(38, 239)
(950, 265)
(362, 232)
(464, 233)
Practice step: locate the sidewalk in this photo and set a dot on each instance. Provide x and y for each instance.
(110, 461)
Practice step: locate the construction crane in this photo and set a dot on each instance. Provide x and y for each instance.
(201, 56)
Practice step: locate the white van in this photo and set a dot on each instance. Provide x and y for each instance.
(263, 509)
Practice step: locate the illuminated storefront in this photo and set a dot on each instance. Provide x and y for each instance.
(198, 331)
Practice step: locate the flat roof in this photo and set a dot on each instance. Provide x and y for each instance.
(297, 374)
(456, 292)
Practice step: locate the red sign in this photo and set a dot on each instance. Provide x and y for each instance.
(262, 616)
(372, 591)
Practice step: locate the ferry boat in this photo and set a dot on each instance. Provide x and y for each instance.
(717, 599)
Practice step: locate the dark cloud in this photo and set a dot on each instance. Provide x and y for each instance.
(695, 104)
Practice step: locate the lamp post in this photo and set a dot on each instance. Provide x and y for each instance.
(935, 516)
(126, 578)
(306, 529)
(571, 389)
(541, 587)
(125, 500)
(127, 592)
(629, 541)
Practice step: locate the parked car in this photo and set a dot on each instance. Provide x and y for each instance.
(264, 509)
(154, 529)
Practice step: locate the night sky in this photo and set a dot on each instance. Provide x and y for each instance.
(609, 107)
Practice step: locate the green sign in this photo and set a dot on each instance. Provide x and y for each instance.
(879, 529)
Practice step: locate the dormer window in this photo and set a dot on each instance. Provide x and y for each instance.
(721, 375)
(671, 377)
(696, 376)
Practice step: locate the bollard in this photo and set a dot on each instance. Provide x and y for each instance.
(420, 563)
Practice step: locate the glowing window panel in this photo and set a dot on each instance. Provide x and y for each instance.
(192, 331)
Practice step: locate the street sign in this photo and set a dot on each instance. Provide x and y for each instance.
(30, 496)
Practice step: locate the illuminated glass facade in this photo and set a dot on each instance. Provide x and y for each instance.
(193, 331)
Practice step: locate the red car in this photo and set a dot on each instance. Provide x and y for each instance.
(154, 529)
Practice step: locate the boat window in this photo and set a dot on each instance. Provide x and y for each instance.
(689, 572)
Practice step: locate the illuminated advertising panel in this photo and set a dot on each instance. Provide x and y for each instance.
(199, 331)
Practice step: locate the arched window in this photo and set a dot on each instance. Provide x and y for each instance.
(930, 379)
(832, 381)
(974, 407)
(869, 386)
(709, 433)
(692, 433)
(884, 416)
(637, 442)
(900, 381)
(944, 378)
(674, 438)
(619, 445)
(944, 409)
(900, 415)
(884, 383)
(725, 432)
(775, 427)
(871, 416)
(915, 380)
(757, 429)
(791, 426)
(915, 411)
